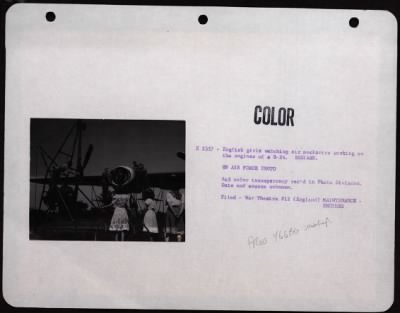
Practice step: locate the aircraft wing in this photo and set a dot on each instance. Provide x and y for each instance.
(76, 180)
(170, 180)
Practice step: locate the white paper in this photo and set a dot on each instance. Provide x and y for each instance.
(159, 63)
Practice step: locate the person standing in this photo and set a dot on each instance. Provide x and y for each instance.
(175, 215)
(150, 226)
(120, 221)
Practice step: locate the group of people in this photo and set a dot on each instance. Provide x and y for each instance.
(144, 222)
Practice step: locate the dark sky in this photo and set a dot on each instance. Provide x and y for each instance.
(116, 142)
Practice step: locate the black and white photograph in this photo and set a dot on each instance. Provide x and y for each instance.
(171, 157)
(121, 180)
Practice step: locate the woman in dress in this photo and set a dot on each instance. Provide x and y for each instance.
(120, 219)
(119, 178)
(150, 226)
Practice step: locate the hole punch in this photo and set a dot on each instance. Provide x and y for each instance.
(50, 16)
(353, 22)
(203, 19)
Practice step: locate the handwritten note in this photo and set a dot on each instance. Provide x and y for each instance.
(283, 234)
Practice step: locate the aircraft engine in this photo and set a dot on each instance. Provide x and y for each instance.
(120, 176)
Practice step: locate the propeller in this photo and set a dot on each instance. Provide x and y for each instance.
(87, 156)
(181, 155)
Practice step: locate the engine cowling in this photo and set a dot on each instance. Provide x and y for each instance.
(121, 175)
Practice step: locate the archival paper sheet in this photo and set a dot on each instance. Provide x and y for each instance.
(289, 141)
